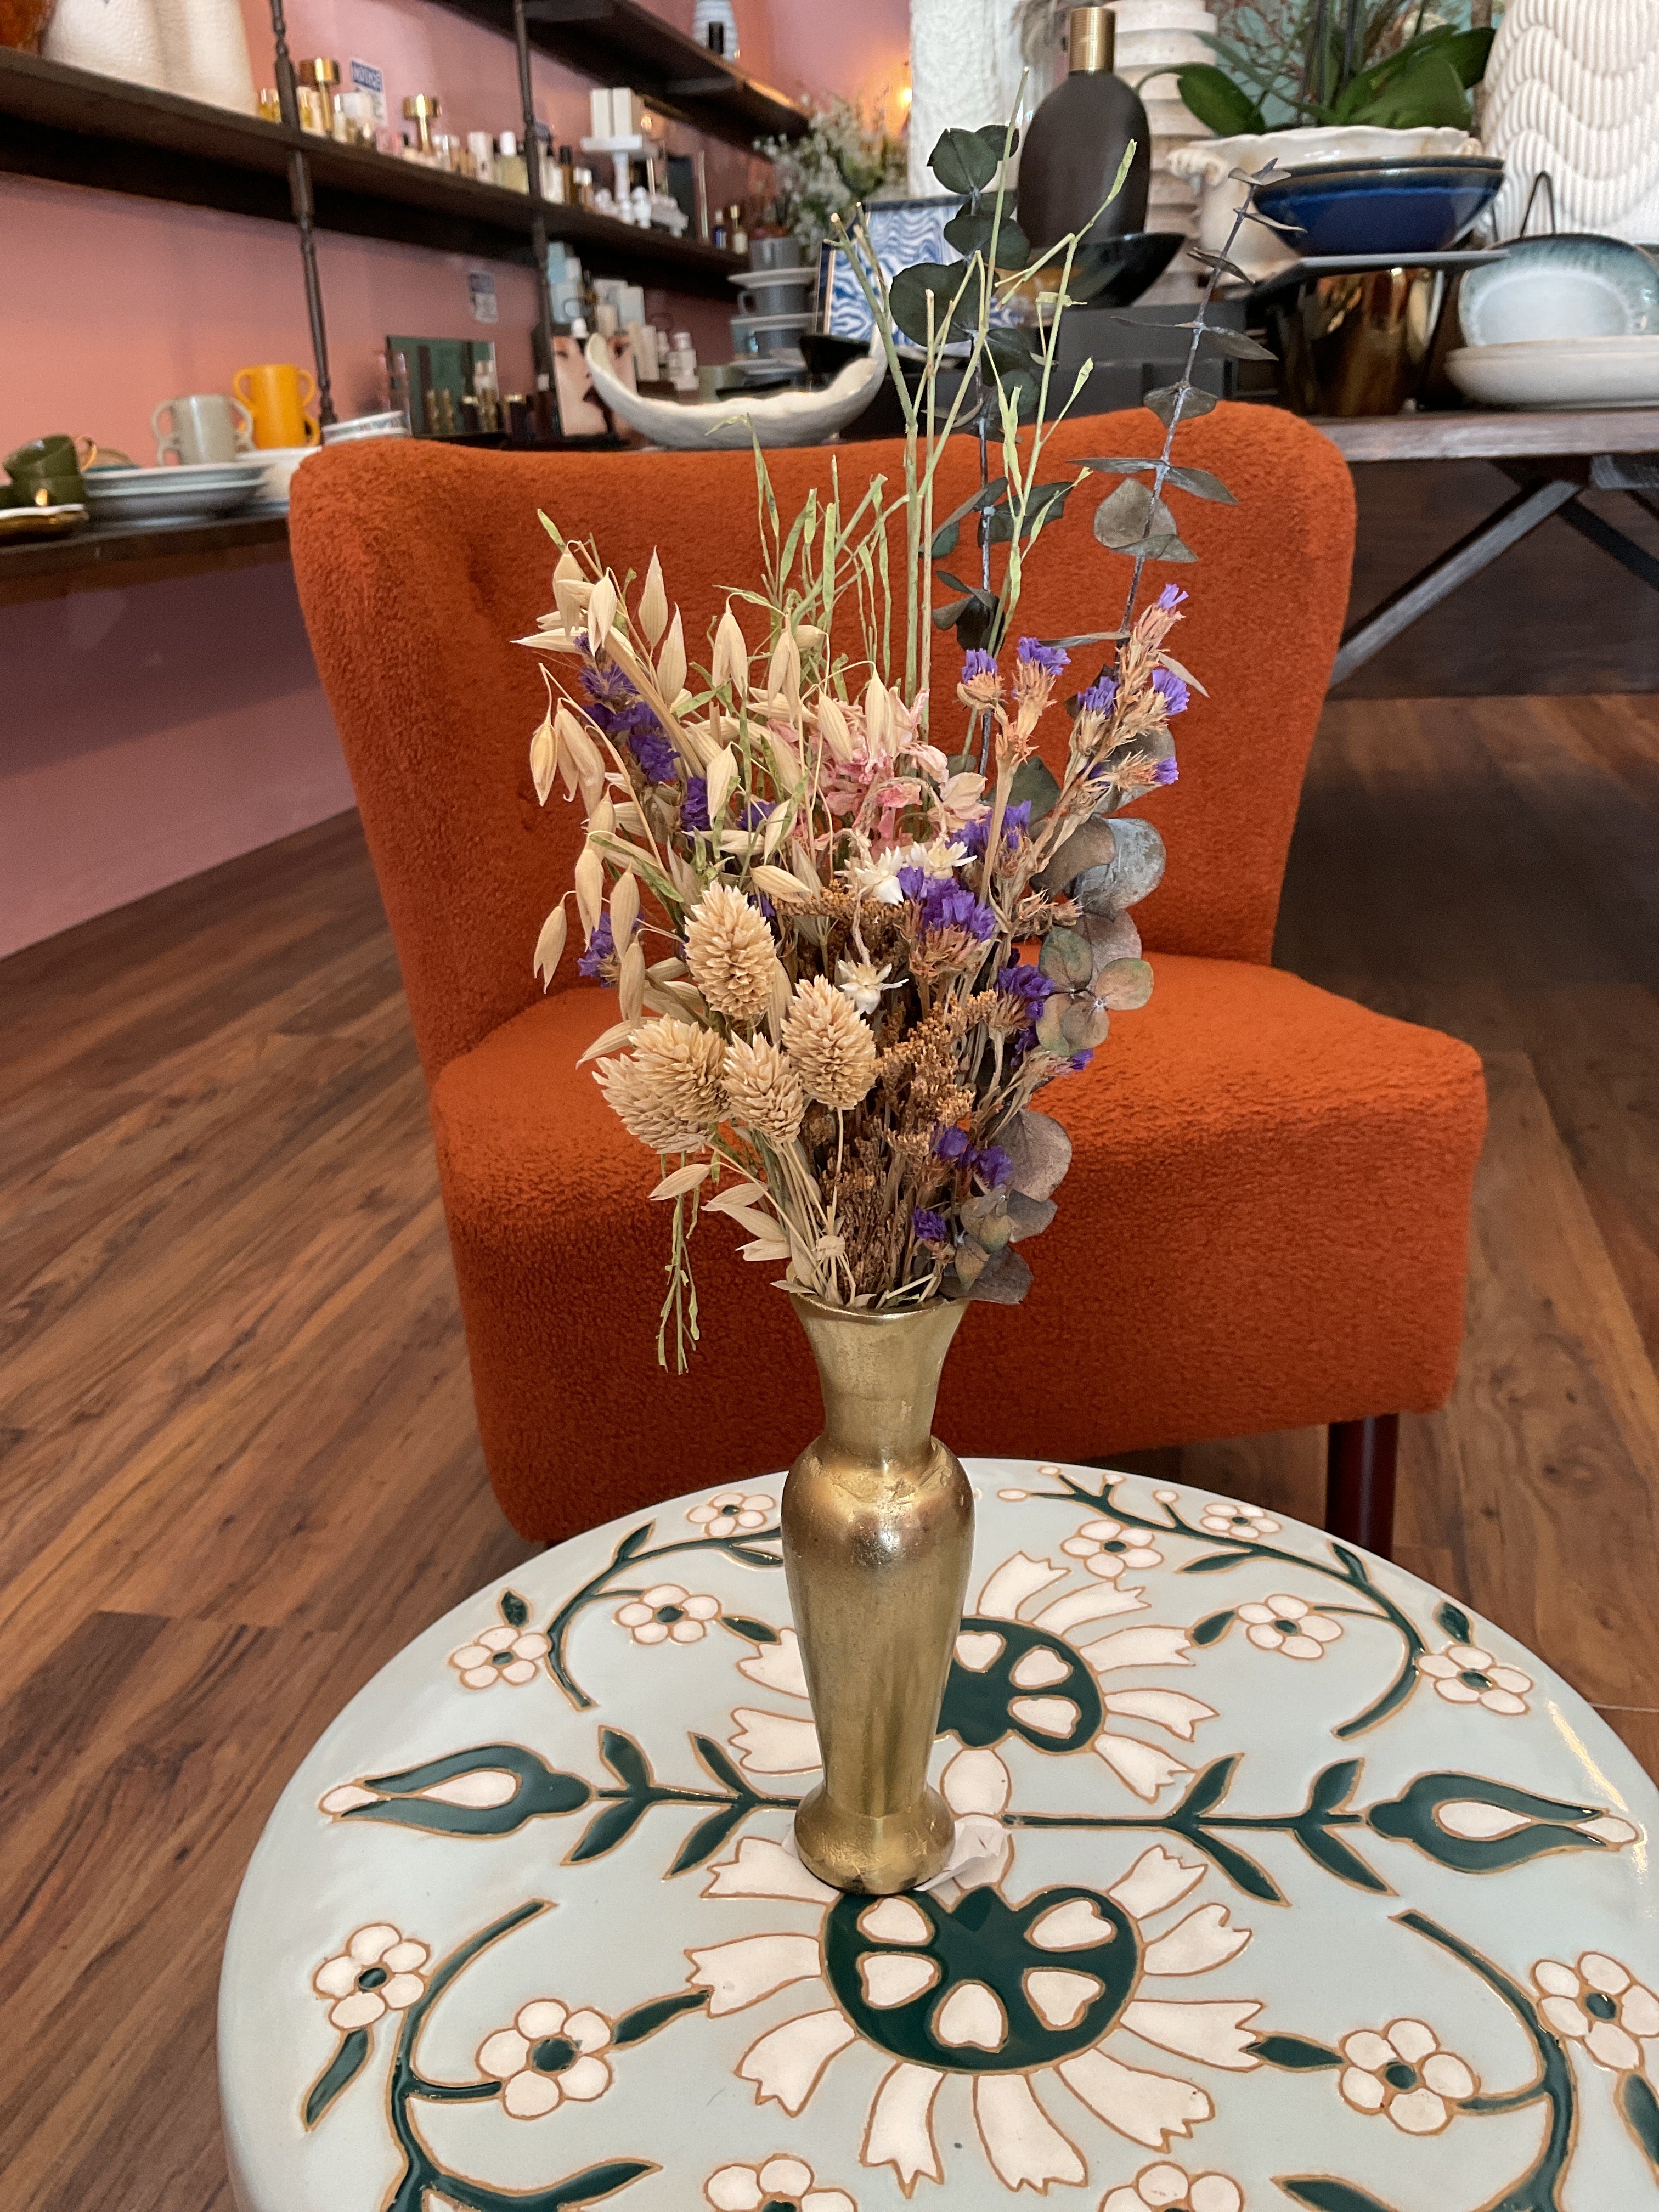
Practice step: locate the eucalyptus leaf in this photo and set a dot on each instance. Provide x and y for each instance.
(1067, 958)
(1125, 518)
(1013, 248)
(941, 281)
(1124, 985)
(1136, 869)
(1041, 1151)
(1236, 345)
(970, 229)
(1201, 485)
(1034, 786)
(984, 1217)
(1046, 504)
(1092, 845)
(1004, 1279)
(1179, 401)
(1002, 138)
(1084, 1022)
(964, 161)
(1028, 1217)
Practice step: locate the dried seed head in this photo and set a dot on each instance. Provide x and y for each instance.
(653, 603)
(730, 953)
(668, 1093)
(832, 1051)
(763, 1090)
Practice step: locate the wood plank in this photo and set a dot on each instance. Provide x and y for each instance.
(1639, 1727)
(1478, 433)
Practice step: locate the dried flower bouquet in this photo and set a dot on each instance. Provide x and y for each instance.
(848, 958)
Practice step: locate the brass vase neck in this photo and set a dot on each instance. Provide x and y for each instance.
(880, 1375)
(1092, 41)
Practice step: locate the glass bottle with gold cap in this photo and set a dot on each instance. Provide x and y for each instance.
(1077, 140)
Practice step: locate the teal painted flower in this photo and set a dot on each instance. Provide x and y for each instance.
(549, 2054)
(732, 1513)
(783, 2183)
(1600, 2004)
(1165, 2188)
(1289, 1625)
(1465, 1675)
(1405, 2073)
(378, 1973)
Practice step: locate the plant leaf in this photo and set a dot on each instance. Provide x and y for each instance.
(964, 162)
(1191, 399)
(1041, 1151)
(1201, 485)
(1220, 105)
(1236, 346)
(1034, 786)
(341, 2070)
(910, 291)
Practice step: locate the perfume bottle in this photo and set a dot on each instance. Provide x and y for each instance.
(1077, 142)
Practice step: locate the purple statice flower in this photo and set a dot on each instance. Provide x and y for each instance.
(952, 1143)
(659, 763)
(929, 1227)
(976, 664)
(1165, 771)
(1172, 690)
(1027, 984)
(1170, 597)
(578, 639)
(755, 813)
(694, 807)
(1016, 821)
(1049, 658)
(992, 1166)
(601, 947)
(1098, 699)
(1078, 1062)
(946, 904)
(913, 882)
(617, 709)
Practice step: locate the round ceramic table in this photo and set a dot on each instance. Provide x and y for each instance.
(1278, 1880)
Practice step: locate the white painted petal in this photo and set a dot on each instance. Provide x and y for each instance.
(1604, 1973)
(764, 1868)
(1265, 1639)
(634, 1614)
(1076, 1925)
(1468, 1816)
(1148, 2108)
(1020, 2140)
(1145, 1768)
(1503, 1701)
(688, 1632)
(1606, 1827)
(702, 1607)
(1560, 1981)
(1610, 2046)
(401, 1991)
(1101, 1531)
(1511, 1678)
(734, 2189)
(1301, 1647)
(976, 1649)
(1419, 2112)
(741, 1973)
(1047, 1715)
(971, 2016)
(1639, 2012)
(532, 1643)
(785, 2176)
(1566, 2018)
(589, 2030)
(1215, 2031)
(519, 1671)
(1156, 1879)
(1361, 2090)
(1447, 2075)
(480, 1678)
(664, 1594)
(335, 1977)
(588, 2079)
(900, 2130)
(1142, 1555)
(774, 1743)
(1094, 1603)
(1059, 1997)
(1196, 1944)
(1436, 1666)
(470, 1655)
(404, 1957)
(361, 2009)
(1039, 1669)
(1108, 1566)
(1470, 1656)
(976, 1782)
(1369, 2049)
(1215, 2192)
(786, 2064)
(1138, 1647)
(1014, 1582)
(1123, 2200)
(1456, 1692)
(652, 1632)
(701, 1515)
(1079, 1547)
(1412, 2040)
(1263, 1615)
(895, 1920)
(1322, 1630)
(541, 2016)
(369, 1944)
(893, 1977)
(346, 1799)
(1284, 1607)
(1161, 2186)
(503, 2054)
(1168, 1709)
(827, 2200)
(529, 2095)
(778, 1665)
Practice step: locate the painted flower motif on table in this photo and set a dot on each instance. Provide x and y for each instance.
(378, 1973)
(549, 2054)
(1599, 2003)
(1465, 1675)
(501, 1654)
(732, 1513)
(1165, 2188)
(1069, 1988)
(1106, 1547)
(1290, 1626)
(668, 1613)
(1404, 2073)
(1245, 1524)
(784, 2184)
(1026, 1664)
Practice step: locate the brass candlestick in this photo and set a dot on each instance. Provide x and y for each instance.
(878, 1539)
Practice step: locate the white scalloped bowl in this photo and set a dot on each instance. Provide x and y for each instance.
(1611, 372)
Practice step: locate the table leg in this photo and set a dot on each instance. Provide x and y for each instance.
(1517, 518)
(1611, 539)
(1359, 1471)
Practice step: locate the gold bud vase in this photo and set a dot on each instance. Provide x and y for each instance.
(878, 1539)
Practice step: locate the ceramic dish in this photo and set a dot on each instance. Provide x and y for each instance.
(789, 418)
(1420, 205)
(755, 280)
(1567, 287)
(1114, 272)
(41, 521)
(167, 495)
(277, 467)
(1612, 372)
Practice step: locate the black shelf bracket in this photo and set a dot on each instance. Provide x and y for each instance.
(305, 214)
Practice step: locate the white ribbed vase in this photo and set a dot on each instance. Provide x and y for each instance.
(1154, 36)
(1572, 89)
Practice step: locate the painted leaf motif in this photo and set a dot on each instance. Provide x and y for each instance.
(341, 2070)
(751, 1631)
(607, 1829)
(1213, 1627)
(625, 1760)
(1213, 1563)
(1549, 1823)
(1337, 1856)
(634, 1540)
(1297, 2054)
(514, 1610)
(1453, 1621)
(541, 1789)
(584, 2188)
(706, 1838)
(1639, 2109)
(1324, 2195)
(714, 1757)
(646, 2019)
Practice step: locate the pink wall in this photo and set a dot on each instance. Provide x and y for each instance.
(153, 732)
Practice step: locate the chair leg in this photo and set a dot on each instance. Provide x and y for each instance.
(1359, 1471)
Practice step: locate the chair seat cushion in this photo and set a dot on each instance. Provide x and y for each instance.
(1263, 1228)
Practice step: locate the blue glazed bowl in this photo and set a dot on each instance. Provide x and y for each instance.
(1409, 206)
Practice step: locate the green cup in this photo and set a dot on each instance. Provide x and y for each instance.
(50, 466)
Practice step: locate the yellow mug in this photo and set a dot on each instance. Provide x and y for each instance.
(272, 396)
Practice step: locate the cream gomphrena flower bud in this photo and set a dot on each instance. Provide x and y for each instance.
(549, 947)
(830, 1048)
(764, 1092)
(671, 661)
(730, 953)
(624, 907)
(674, 1085)
(833, 728)
(653, 602)
(730, 662)
(601, 613)
(722, 774)
(878, 711)
(588, 880)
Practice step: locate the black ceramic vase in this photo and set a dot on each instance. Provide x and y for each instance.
(1077, 141)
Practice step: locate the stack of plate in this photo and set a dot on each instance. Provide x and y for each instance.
(782, 311)
(193, 492)
(1567, 321)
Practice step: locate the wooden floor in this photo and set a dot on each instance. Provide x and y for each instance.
(237, 1455)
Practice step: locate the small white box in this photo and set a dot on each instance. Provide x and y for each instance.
(599, 102)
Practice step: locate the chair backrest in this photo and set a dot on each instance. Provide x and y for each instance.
(417, 565)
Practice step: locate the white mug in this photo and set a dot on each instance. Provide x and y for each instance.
(206, 426)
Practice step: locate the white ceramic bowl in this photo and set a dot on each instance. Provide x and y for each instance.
(277, 467)
(394, 424)
(1609, 372)
(788, 418)
(1259, 252)
(1564, 287)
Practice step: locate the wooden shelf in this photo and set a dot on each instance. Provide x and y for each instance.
(619, 42)
(76, 127)
(109, 555)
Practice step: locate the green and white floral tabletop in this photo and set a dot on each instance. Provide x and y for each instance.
(1278, 1881)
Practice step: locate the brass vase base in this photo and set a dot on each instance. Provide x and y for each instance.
(873, 1854)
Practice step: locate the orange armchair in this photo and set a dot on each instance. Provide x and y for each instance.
(1265, 1223)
